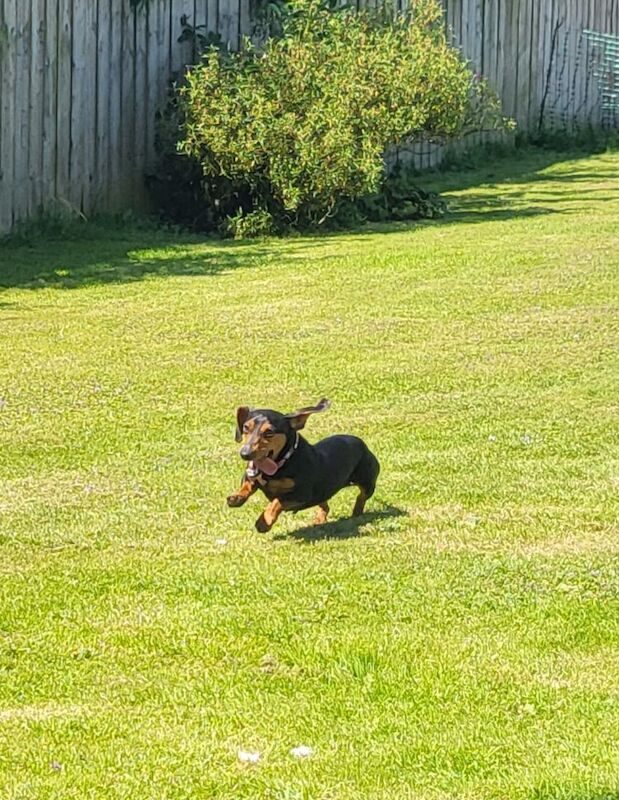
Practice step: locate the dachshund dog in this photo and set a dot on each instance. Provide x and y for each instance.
(294, 474)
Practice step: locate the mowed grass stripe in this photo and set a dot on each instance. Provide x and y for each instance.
(460, 642)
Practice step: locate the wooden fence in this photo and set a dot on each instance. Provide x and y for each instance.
(80, 84)
(81, 81)
(537, 55)
(554, 64)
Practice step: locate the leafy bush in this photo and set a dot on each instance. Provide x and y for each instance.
(400, 198)
(289, 132)
(248, 225)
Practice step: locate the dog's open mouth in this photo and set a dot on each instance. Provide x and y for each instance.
(266, 464)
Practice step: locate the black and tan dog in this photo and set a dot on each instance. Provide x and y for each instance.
(294, 474)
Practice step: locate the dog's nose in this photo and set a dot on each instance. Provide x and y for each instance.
(246, 452)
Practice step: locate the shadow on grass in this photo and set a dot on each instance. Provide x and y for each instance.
(130, 258)
(341, 529)
(103, 255)
(524, 165)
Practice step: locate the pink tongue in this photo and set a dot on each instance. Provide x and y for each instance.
(267, 465)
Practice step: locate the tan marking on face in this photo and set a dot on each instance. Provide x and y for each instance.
(249, 437)
(277, 442)
(262, 440)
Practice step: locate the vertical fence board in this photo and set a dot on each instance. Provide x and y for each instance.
(568, 67)
(579, 72)
(542, 43)
(533, 65)
(476, 30)
(127, 108)
(512, 45)
(499, 45)
(212, 16)
(22, 89)
(180, 52)
(64, 100)
(245, 23)
(523, 89)
(115, 166)
(229, 23)
(202, 13)
(79, 107)
(38, 75)
(594, 94)
(163, 49)
(100, 175)
(7, 114)
(152, 89)
(89, 108)
(490, 42)
(143, 125)
(50, 142)
(456, 21)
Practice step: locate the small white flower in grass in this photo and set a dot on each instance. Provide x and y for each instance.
(221, 542)
(492, 438)
(247, 757)
(302, 751)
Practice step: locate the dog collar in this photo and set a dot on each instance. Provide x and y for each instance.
(266, 466)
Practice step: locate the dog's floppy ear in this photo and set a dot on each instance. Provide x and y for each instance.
(241, 417)
(298, 418)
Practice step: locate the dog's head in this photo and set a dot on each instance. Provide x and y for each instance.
(266, 434)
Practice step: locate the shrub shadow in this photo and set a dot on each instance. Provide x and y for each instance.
(125, 256)
(73, 264)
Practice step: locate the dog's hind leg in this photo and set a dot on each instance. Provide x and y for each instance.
(360, 502)
(321, 514)
(364, 477)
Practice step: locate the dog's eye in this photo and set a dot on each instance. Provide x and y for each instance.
(269, 434)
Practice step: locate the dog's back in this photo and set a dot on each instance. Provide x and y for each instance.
(346, 461)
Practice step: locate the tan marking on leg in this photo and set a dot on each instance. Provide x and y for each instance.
(239, 498)
(360, 504)
(321, 514)
(269, 516)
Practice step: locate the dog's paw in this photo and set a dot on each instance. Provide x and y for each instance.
(235, 500)
(262, 526)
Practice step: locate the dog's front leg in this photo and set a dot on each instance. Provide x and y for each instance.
(269, 516)
(248, 487)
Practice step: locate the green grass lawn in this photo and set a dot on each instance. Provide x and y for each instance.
(460, 641)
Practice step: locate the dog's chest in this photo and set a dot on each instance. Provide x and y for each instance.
(276, 487)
